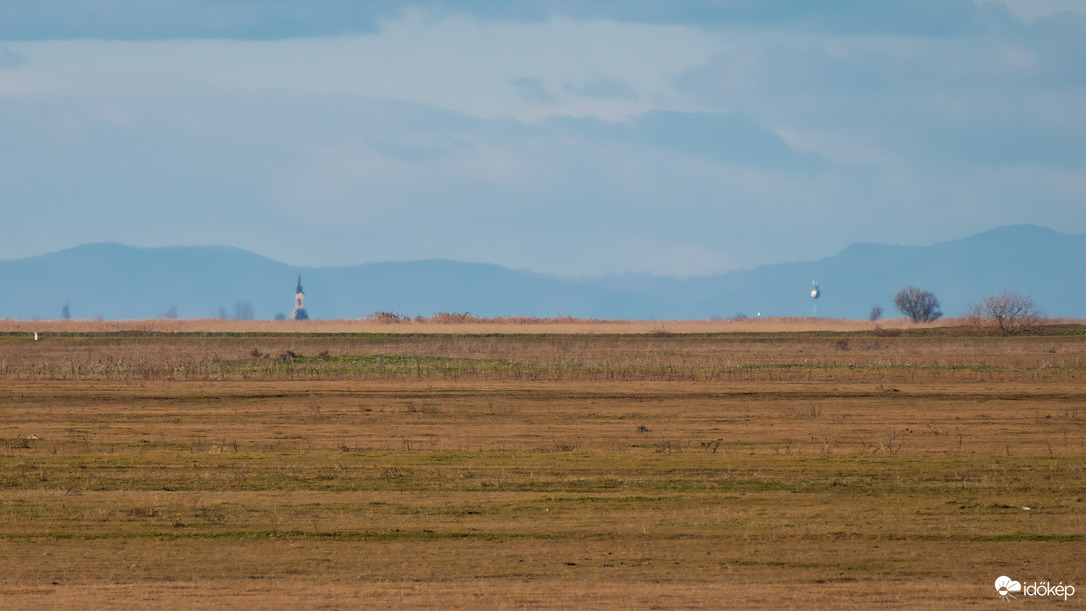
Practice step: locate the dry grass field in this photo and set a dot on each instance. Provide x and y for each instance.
(457, 324)
(753, 464)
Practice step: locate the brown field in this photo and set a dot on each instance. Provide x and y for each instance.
(459, 324)
(754, 464)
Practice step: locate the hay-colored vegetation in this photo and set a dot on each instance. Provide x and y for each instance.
(752, 469)
(456, 324)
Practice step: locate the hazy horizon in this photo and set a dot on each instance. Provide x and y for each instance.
(524, 269)
(116, 282)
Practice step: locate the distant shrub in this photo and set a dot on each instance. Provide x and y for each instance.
(920, 306)
(243, 310)
(387, 317)
(1008, 313)
(453, 318)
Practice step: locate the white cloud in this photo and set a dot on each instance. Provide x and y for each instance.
(11, 59)
(571, 147)
(458, 64)
(1032, 9)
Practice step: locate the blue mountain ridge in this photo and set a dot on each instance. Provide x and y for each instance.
(115, 282)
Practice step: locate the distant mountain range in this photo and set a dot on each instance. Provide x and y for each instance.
(116, 282)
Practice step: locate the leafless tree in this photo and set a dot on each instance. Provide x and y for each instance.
(1010, 312)
(921, 306)
(243, 310)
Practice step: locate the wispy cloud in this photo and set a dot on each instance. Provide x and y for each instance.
(11, 59)
(278, 19)
(563, 136)
(603, 88)
(530, 89)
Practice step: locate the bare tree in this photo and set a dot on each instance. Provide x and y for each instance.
(1010, 312)
(243, 310)
(876, 314)
(921, 306)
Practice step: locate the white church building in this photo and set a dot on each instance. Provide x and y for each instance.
(299, 313)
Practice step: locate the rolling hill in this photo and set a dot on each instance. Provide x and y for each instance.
(115, 282)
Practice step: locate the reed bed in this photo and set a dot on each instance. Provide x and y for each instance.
(459, 324)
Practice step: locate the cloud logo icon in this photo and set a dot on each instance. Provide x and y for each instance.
(1005, 585)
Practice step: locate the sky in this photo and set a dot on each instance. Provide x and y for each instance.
(568, 137)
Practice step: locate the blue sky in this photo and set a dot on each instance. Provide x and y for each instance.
(567, 137)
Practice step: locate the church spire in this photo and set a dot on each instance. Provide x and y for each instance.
(299, 312)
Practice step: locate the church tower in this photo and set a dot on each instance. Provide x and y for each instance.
(299, 313)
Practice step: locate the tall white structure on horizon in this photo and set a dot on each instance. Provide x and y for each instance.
(299, 313)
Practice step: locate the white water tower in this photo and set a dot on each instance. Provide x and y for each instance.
(815, 294)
